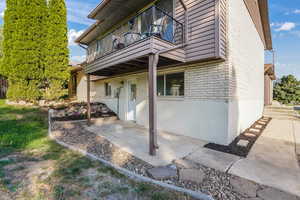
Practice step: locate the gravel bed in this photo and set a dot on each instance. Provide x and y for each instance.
(73, 133)
(216, 183)
(219, 185)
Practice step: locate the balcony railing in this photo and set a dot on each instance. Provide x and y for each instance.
(152, 22)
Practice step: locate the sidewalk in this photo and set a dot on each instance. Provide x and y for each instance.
(272, 160)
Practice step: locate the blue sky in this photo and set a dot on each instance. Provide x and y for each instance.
(285, 23)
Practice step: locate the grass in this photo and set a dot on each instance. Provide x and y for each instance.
(21, 128)
(49, 171)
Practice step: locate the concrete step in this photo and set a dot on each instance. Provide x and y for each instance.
(280, 113)
(280, 107)
(282, 116)
(105, 120)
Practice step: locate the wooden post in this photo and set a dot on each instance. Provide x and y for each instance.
(88, 80)
(153, 60)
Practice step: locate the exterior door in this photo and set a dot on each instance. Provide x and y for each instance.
(132, 93)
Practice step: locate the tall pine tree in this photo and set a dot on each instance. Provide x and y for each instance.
(1, 40)
(23, 48)
(57, 52)
(35, 49)
(9, 31)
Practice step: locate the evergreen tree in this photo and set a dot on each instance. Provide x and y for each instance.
(1, 48)
(9, 31)
(1, 40)
(57, 52)
(23, 47)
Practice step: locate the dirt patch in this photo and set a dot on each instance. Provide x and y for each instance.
(70, 177)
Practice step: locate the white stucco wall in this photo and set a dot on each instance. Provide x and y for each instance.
(246, 61)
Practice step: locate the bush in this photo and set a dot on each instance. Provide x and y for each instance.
(287, 90)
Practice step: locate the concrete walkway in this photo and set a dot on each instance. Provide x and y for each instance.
(134, 139)
(272, 160)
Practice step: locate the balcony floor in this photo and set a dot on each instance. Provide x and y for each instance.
(135, 58)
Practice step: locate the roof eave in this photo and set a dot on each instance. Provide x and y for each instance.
(264, 10)
(100, 6)
(86, 32)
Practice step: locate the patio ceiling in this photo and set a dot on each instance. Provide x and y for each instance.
(108, 13)
(134, 65)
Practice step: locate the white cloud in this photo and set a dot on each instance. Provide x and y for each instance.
(297, 11)
(77, 59)
(73, 35)
(2, 8)
(78, 12)
(287, 26)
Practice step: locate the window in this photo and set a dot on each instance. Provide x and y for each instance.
(107, 89)
(170, 84)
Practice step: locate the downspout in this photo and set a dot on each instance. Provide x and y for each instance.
(80, 45)
(186, 28)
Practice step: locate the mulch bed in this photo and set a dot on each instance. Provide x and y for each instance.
(251, 135)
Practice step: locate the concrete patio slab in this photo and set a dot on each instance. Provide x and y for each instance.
(272, 160)
(213, 159)
(134, 139)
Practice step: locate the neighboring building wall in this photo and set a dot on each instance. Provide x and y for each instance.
(268, 90)
(246, 60)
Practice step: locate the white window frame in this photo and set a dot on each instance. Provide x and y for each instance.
(165, 84)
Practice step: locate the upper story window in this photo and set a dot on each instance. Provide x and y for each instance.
(170, 84)
(107, 89)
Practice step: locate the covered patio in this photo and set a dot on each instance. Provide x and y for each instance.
(134, 139)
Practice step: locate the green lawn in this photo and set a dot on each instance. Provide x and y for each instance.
(36, 168)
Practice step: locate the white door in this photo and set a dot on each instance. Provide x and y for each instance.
(131, 111)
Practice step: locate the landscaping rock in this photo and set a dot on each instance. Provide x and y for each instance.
(243, 143)
(273, 194)
(78, 111)
(193, 175)
(184, 163)
(162, 172)
(244, 187)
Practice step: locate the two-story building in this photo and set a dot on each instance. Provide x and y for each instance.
(189, 67)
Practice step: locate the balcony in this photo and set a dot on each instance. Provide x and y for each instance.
(126, 48)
